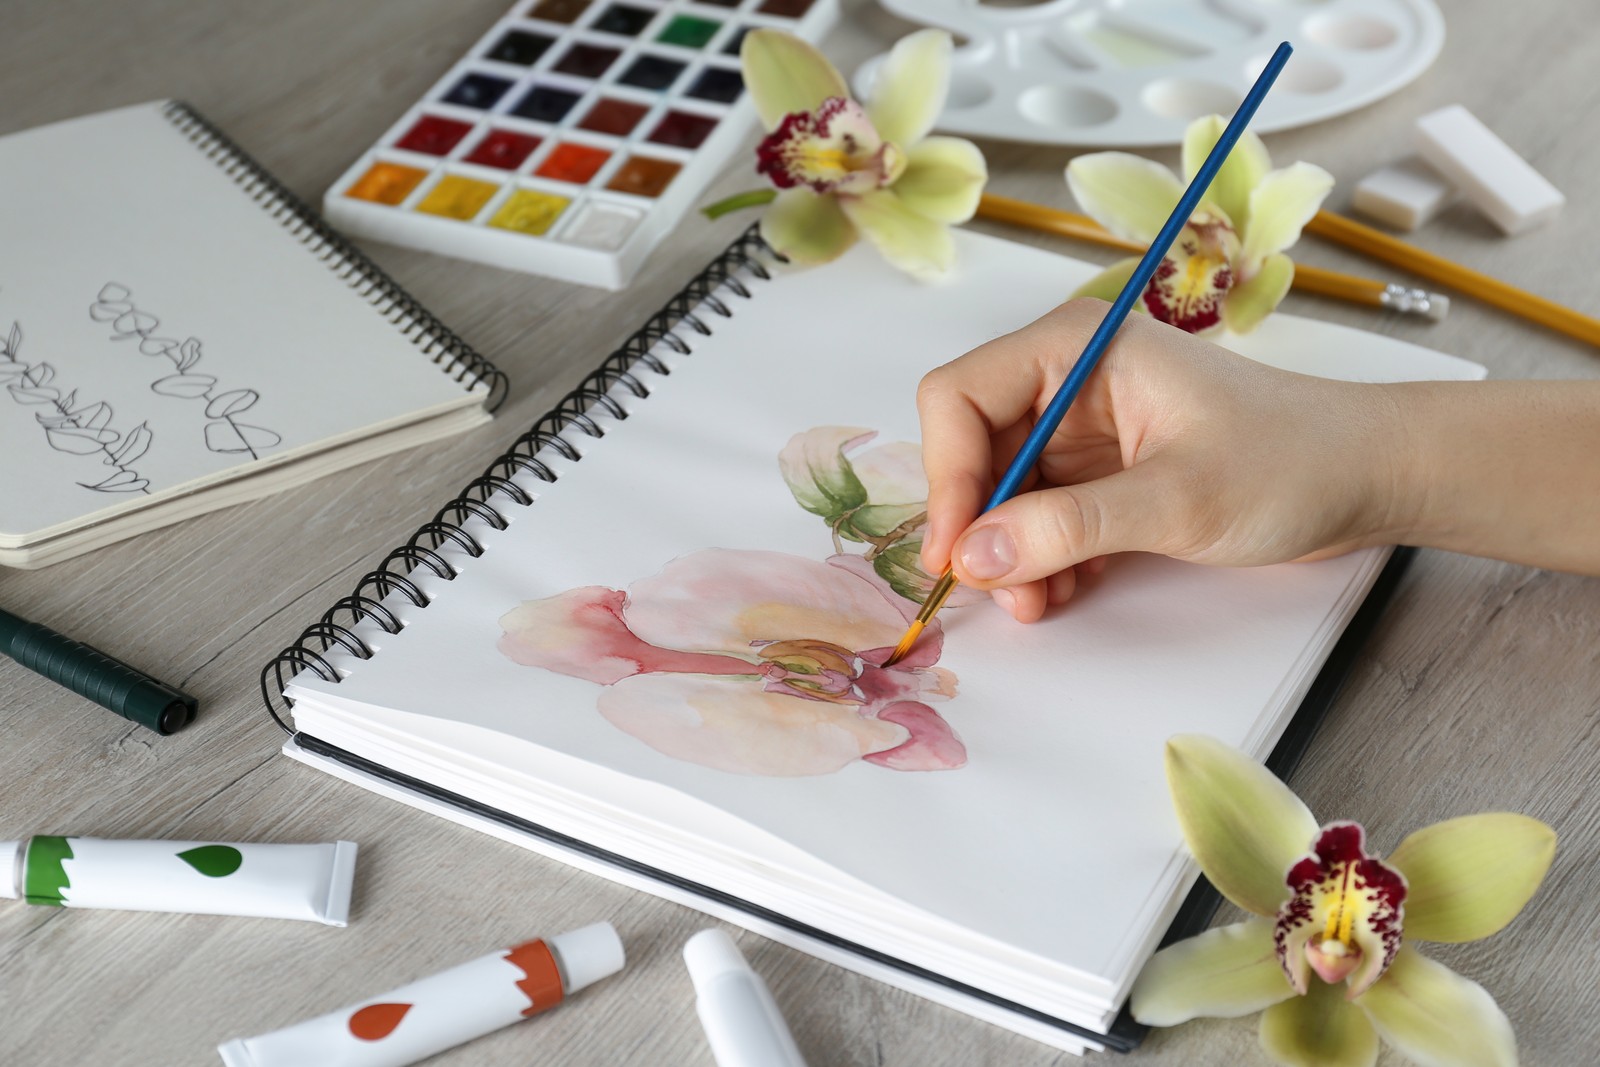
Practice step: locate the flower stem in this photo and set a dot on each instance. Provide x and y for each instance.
(754, 198)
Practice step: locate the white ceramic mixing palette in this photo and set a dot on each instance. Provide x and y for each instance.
(1135, 72)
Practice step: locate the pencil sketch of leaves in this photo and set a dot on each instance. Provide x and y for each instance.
(12, 371)
(66, 402)
(79, 440)
(120, 482)
(134, 446)
(231, 437)
(159, 346)
(43, 374)
(25, 395)
(231, 403)
(112, 302)
(134, 323)
(188, 354)
(95, 416)
(187, 386)
(14, 340)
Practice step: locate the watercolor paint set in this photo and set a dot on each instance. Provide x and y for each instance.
(571, 138)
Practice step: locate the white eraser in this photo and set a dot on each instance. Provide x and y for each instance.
(1500, 182)
(1403, 195)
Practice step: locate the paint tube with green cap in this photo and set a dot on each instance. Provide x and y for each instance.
(309, 882)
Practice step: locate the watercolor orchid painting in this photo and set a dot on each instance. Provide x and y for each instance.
(768, 663)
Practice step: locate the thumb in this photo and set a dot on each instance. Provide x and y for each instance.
(1041, 533)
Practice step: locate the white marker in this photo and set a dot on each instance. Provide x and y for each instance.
(742, 1022)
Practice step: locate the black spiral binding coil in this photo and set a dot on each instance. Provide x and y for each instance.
(593, 395)
(345, 260)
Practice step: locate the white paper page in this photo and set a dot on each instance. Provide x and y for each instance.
(1060, 811)
(186, 328)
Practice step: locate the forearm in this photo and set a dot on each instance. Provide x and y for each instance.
(1508, 470)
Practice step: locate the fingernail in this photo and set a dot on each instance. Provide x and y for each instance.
(989, 553)
(1006, 599)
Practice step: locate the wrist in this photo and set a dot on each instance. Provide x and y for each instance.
(1395, 466)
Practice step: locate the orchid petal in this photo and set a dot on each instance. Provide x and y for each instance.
(909, 89)
(1192, 281)
(807, 228)
(582, 633)
(1437, 1018)
(1240, 173)
(735, 725)
(943, 179)
(1222, 973)
(1470, 876)
(1344, 919)
(1243, 825)
(785, 74)
(1127, 194)
(1319, 1029)
(738, 600)
(1250, 302)
(911, 241)
(1280, 206)
(1107, 285)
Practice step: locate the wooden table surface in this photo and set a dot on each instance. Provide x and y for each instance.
(1479, 690)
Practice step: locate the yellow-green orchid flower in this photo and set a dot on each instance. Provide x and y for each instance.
(844, 169)
(1330, 914)
(1227, 267)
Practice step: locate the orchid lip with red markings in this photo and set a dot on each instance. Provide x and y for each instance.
(1192, 282)
(1344, 919)
(834, 149)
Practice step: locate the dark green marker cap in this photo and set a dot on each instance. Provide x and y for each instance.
(88, 672)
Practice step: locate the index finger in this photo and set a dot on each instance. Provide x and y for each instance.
(962, 407)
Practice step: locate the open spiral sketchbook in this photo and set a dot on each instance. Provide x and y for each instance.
(656, 652)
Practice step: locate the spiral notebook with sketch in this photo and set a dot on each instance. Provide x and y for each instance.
(179, 333)
(653, 646)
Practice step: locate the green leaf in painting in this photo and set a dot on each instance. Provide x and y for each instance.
(900, 567)
(880, 520)
(822, 480)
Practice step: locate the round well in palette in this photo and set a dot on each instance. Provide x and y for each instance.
(624, 20)
(717, 84)
(530, 211)
(652, 72)
(683, 129)
(456, 197)
(504, 149)
(545, 104)
(520, 47)
(687, 31)
(617, 117)
(587, 60)
(434, 135)
(477, 90)
(386, 183)
(562, 11)
(644, 176)
(575, 163)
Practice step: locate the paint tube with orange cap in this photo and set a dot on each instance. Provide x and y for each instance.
(310, 882)
(443, 1010)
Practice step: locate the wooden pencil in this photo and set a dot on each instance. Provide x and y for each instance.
(1384, 248)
